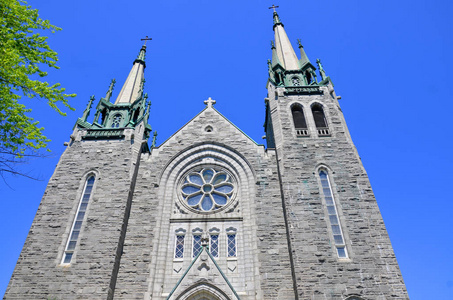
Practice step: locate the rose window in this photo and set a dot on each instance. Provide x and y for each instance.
(207, 190)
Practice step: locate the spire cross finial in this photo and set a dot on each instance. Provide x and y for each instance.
(273, 7)
(209, 102)
(146, 39)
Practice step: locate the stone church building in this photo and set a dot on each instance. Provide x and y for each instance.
(210, 214)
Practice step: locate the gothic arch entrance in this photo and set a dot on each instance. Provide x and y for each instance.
(203, 296)
(203, 291)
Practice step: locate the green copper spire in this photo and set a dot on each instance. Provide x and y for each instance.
(86, 112)
(321, 69)
(285, 69)
(277, 19)
(146, 106)
(141, 56)
(303, 56)
(110, 91)
(154, 139)
(275, 59)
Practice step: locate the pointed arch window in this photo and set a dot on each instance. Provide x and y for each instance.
(116, 120)
(231, 242)
(300, 123)
(214, 242)
(80, 216)
(104, 113)
(136, 114)
(309, 77)
(179, 243)
(332, 213)
(196, 242)
(320, 120)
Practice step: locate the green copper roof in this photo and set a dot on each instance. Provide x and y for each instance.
(277, 19)
(303, 56)
(141, 56)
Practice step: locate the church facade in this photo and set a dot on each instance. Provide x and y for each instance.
(210, 214)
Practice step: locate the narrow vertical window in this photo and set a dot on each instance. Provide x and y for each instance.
(179, 248)
(103, 116)
(231, 250)
(308, 76)
(136, 114)
(214, 247)
(77, 225)
(320, 120)
(333, 215)
(196, 245)
(299, 120)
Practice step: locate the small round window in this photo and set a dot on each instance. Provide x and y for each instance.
(208, 189)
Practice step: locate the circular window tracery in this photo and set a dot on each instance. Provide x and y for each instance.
(208, 189)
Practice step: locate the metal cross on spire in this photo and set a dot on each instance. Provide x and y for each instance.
(146, 39)
(274, 7)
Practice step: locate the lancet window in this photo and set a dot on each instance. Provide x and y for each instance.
(196, 242)
(299, 120)
(332, 213)
(214, 242)
(179, 243)
(231, 242)
(77, 225)
(309, 77)
(320, 120)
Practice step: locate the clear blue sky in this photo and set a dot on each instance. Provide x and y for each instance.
(389, 60)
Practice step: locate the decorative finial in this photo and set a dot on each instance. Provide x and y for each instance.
(148, 103)
(300, 44)
(153, 144)
(140, 91)
(110, 91)
(273, 7)
(86, 112)
(209, 102)
(146, 39)
(321, 69)
(276, 17)
(272, 45)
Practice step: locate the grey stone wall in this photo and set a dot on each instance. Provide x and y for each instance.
(39, 273)
(262, 270)
(285, 248)
(371, 270)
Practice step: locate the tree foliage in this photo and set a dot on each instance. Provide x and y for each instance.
(24, 53)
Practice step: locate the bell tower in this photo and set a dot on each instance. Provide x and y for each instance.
(75, 245)
(338, 243)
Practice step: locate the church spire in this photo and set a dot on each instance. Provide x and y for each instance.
(303, 56)
(133, 86)
(285, 51)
